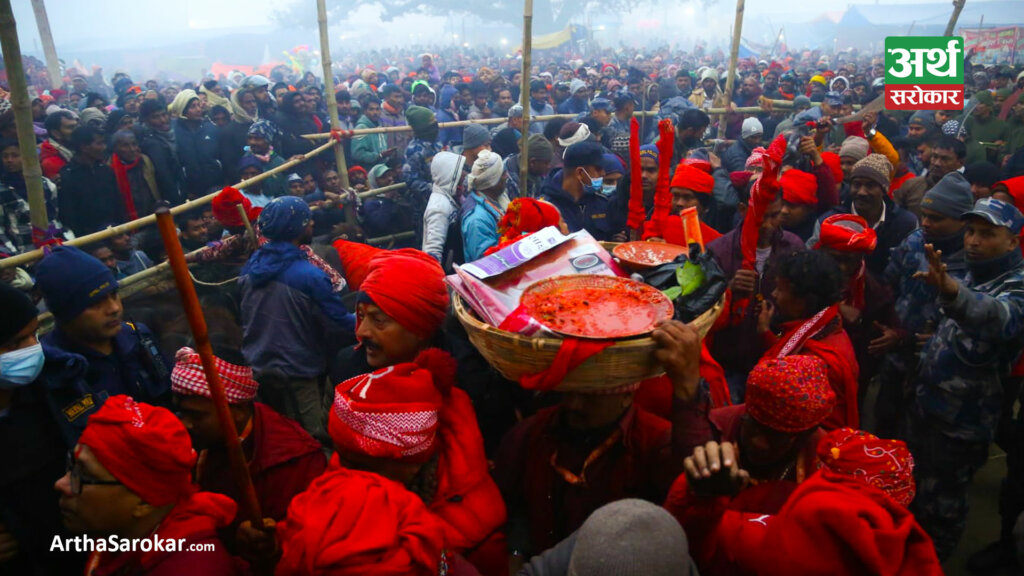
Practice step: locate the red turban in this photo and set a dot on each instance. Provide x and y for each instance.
(189, 378)
(691, 178)
(393, 412)
(847, 233)
(349, 522)
(408, 285)
(224, 210)
(740, 179)
(884, 464)
(799, 187)
(790, 394)
(831, 159)
(355, 259)
(755, 160)
(145, 447)
(699, 164)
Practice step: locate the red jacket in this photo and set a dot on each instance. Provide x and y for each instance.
(50, 160)
(467, 499)
(284, 460)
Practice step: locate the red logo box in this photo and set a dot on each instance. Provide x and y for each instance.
(924, 97)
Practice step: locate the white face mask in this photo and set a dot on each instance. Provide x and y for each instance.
(21, 367)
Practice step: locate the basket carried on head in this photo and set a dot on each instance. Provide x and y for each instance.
(514, 355)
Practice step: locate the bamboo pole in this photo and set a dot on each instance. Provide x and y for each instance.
(11, 48)
(390, 238)
(29, 257)
(737, 31)
(197, 323)
(332, 104)
(524, 94)
(958, 5)
(49, 49)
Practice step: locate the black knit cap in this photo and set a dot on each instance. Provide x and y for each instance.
(18, 312)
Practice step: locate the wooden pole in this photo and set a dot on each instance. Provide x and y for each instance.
(958, 5)
(737, 31)
(49, 49)
(524, 95)
(332, 104)
(11, 48)
(197, 323)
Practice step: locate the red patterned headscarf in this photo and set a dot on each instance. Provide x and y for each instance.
(189, 378)
(790, 394)
(884, 464)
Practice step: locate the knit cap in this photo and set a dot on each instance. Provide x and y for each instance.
(874, 167)
(72, 281)
(474, 136)
(751, 127)
(855, 148)
(951, 196)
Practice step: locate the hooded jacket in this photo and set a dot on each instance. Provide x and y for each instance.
(199, 154)
(367, 149)
(441, 215)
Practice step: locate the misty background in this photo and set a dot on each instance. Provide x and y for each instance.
(143, 37)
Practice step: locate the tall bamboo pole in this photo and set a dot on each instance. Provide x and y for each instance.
(332, 104)
(11, 48)
(958, 5)
(737, 31)
(49, 49)
(524, 95)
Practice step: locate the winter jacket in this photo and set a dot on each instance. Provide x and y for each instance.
(959, 390)
(416, 174)
(479, 227)
(735, 158)
(396, 140)
(88, 198)
(199, 153)
(898, 224)
(233, 138)
(163, 153)
(442, 212)
(916, 301)
(589, 213)
(538, 127)
(367, 149)
(572, 106)
(15, 216)
(290, 313)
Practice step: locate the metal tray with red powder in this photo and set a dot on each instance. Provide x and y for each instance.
(646, 255)
(599, 307)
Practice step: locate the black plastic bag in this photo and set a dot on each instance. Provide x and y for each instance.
(690, 306)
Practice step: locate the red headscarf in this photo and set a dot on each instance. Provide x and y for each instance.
(408, 285)
(189, 378)
(884, 464)
(523, 217)
(799, 187)
(847, 233)
(692, 178)
(145, 447)
(790, 394)
(740, 179)
(357, 523)
(393, 412)
(225, 211)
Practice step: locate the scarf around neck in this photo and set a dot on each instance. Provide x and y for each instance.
(65, 153)
(123, 184)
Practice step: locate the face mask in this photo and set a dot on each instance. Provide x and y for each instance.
(430, 132)
(21, 367)
(595, 185)
(538, 104)
(608, 189)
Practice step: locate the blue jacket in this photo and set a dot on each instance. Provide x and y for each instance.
(572, 106)
(590, 213)
(917, 302)
(479, 228)
(960, 387)
(291, 318)
(199, 154)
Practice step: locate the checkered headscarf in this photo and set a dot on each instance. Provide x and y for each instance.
(189, 378)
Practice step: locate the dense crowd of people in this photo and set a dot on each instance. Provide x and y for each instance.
(866, 360)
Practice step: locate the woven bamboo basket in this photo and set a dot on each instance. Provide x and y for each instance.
(513, 355)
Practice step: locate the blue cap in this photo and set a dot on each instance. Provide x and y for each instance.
(601, 104)
(72, 281)
(612, 164)
(997, 213)
(834, 98)
(285, 218)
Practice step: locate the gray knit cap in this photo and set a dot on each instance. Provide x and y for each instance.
(539, 148)
(474, 136)
(874, 167)
(854, 147)
(951, 196)
(631, 538)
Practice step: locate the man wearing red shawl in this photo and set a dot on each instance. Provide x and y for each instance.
(808, 290)
(754, 455)
(868, 308)
(691, 188)
(410, 424)
(130, 475)
(282, 457)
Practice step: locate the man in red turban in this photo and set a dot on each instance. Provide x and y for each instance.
(410, 424)
(799, 202)
(282, 457)
(867, 306)
(691, 188)
(130, 476)
(753, 456)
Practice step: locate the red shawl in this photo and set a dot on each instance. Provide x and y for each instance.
(121, 173)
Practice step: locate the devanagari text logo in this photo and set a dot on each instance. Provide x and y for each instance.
(924, 73)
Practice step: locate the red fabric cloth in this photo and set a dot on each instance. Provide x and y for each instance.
(884, 464)
(637, 213)
(799, 187)
(571, 354)
(789, 394)
(655, 394)
(1015, 188)
(764, 192)
(833, 524)
(224, 210)
(355, 259)
(823, 336)
(408, 285)
(145, 447)
(123, 184)
(699, 164)
(188, 377)
(50, 160)
(740, 179)
(831, 159)
(523, 217)
(196, 520)
(898, 181)
(662, 189)
(692, 178)
(350, 522)
(672, 231)
(393, 412)
(847, 233)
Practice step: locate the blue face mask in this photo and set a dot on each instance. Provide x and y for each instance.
(21, 366)
(608, 189)
(595, 186)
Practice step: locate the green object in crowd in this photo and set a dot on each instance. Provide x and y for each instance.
(673, 292)
(690, 277)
